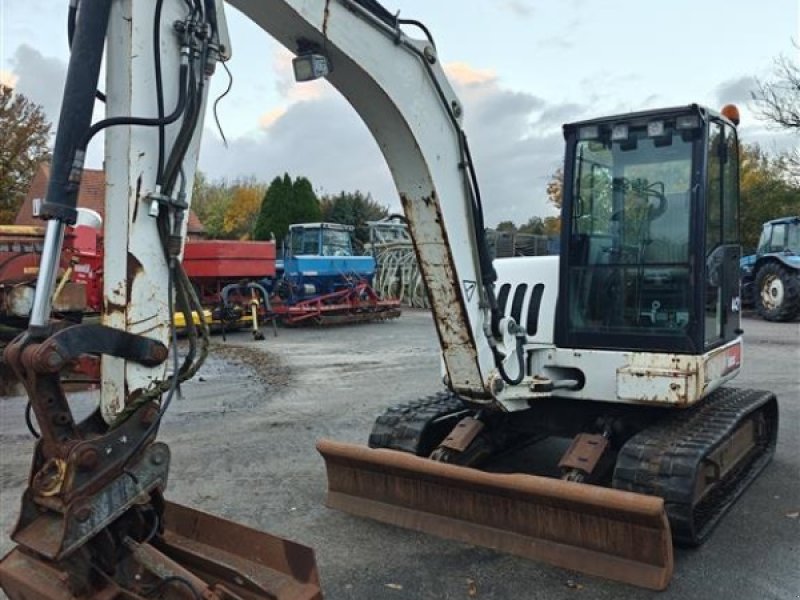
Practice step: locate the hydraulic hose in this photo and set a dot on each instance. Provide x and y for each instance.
(76, 109)
(144, 121)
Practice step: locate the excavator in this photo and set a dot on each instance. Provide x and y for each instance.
(624, 343)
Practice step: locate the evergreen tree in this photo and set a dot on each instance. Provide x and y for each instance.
(353, 208)
(305, 205)
(286, 202)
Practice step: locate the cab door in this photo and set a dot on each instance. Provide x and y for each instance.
(722, 304)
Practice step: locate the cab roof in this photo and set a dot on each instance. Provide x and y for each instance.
(648, 115)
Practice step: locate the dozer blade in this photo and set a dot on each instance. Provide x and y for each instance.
(599, 531)
(215, 557)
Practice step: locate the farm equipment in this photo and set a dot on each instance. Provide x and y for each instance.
(225, 274)
(398, 275)
(771, 276)
(79, 273)
(324, 282)
(77, 293)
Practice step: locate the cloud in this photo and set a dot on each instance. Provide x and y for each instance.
(40, 79)
(322, 139)
(517, 144)
(736, 91)
(772, 140)
(515, 139)
(556, 42)
(519, 8)
(268, 118)
(464, 74)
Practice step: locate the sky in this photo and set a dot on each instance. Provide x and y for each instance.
(522, 68)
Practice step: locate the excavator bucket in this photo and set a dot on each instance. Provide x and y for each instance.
(608, 533)
(215, 557)
(240, 558)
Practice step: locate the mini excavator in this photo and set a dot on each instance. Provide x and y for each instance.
(625, 343)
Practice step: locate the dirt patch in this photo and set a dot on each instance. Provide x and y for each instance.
(265, 366)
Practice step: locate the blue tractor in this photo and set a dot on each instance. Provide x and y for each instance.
(323, 281)
(771, 276)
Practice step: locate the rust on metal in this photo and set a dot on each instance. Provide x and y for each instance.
(162, 566)
(463, 433)
(584, 452)
(23, 577)
(603, 532)
(325, 18)
(207, 545)
(217, 558)
(437, 265)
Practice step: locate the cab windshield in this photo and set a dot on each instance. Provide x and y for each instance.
(336, 243)
(629, 248)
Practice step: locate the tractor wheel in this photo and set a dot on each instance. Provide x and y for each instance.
(777, 292)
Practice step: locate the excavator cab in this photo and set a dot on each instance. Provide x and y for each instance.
(650, 230)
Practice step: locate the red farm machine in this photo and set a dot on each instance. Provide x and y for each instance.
(240, 283)
(227, 276)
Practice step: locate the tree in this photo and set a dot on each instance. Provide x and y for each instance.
(273, 218)
(535, 226)
(305, 204)
(766, 192)
(507, 226)
(24, 136)
(241, 212)
(552, 226)
(227, 210)
(778, 101)
(210, 202)
(555, 188)
(353, 208)
(286, 202)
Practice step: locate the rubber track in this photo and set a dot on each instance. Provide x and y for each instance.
(412, 427)
(664, 459)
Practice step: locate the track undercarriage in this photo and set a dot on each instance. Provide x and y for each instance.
(646, 465)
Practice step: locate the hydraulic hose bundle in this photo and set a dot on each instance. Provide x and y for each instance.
(199, 47)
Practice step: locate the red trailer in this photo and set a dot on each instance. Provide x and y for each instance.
(227, 276)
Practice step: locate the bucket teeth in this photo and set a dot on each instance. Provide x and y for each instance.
(603, 532)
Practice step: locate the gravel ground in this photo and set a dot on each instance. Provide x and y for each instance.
(243, 434)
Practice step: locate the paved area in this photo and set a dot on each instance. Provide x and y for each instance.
(243, 440)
